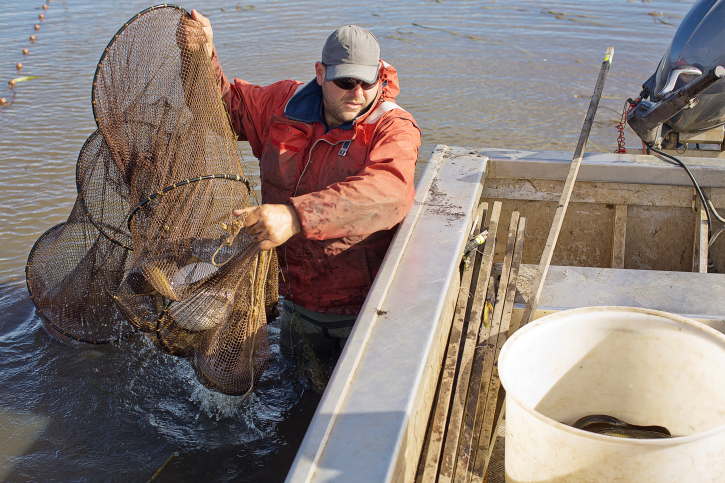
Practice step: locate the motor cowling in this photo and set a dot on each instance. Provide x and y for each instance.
(670, 97)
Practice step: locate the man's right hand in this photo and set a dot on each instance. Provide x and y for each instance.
(270, 225)
(194, 33)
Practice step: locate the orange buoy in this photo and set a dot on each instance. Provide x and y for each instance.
(25, 51)
(3, 101)
(19, 66)
(41, 16)
(37, 27)
(45, 7)
(11, 82)
(32, 38)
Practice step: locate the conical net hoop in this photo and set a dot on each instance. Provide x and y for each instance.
(151, 244)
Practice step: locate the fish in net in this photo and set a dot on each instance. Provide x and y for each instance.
(151, 244)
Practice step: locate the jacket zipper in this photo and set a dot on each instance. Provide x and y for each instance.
(309, 157)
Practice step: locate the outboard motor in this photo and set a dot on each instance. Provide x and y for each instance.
(685, 95)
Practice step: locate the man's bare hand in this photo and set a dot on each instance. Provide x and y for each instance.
(195, 32)
(270, 225)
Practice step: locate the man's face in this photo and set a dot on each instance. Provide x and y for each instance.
(343, 105)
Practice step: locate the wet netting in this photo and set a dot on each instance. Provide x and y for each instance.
(151, 244)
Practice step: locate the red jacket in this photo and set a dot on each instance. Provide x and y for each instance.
(356, 188)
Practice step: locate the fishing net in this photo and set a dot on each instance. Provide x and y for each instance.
(151, 244)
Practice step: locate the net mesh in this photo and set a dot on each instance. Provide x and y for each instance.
(151, 244)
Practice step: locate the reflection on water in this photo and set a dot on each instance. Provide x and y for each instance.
(514, 74)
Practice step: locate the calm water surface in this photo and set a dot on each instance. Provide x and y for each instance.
(509, 74)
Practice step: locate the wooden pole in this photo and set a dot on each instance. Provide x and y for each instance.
(546, 256)
(543, 269)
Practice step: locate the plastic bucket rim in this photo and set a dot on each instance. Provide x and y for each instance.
(675, 440)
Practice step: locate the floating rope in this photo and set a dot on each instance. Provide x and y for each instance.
(4, 102)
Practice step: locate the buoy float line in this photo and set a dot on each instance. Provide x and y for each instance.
(4, 101)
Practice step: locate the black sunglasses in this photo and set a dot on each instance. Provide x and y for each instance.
(348, 83)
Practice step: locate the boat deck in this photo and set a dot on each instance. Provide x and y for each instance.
(633, 236)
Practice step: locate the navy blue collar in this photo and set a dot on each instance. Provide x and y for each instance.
(306, 106)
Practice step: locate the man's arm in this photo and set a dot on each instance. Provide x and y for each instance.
(250, 107)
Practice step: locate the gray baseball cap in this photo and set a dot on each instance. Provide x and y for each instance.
(351, 51)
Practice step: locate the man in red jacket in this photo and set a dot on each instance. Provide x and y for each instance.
(337, 162)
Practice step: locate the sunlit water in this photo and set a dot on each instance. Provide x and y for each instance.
(513, 74)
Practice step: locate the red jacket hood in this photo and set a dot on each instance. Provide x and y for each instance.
(389, 78)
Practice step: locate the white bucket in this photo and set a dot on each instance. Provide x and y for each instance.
(642, 366)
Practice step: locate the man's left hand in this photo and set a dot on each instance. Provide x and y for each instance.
(270, 225)
(193, 32)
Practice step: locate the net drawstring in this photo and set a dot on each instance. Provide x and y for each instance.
(231, 240)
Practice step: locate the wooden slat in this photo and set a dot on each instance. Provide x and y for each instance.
(495, 394)
(702, 241)
(447, 466)
(696, 232)
(484, 361)
(589, 192)
(434, 441)
(498, 418)
(620, 235)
